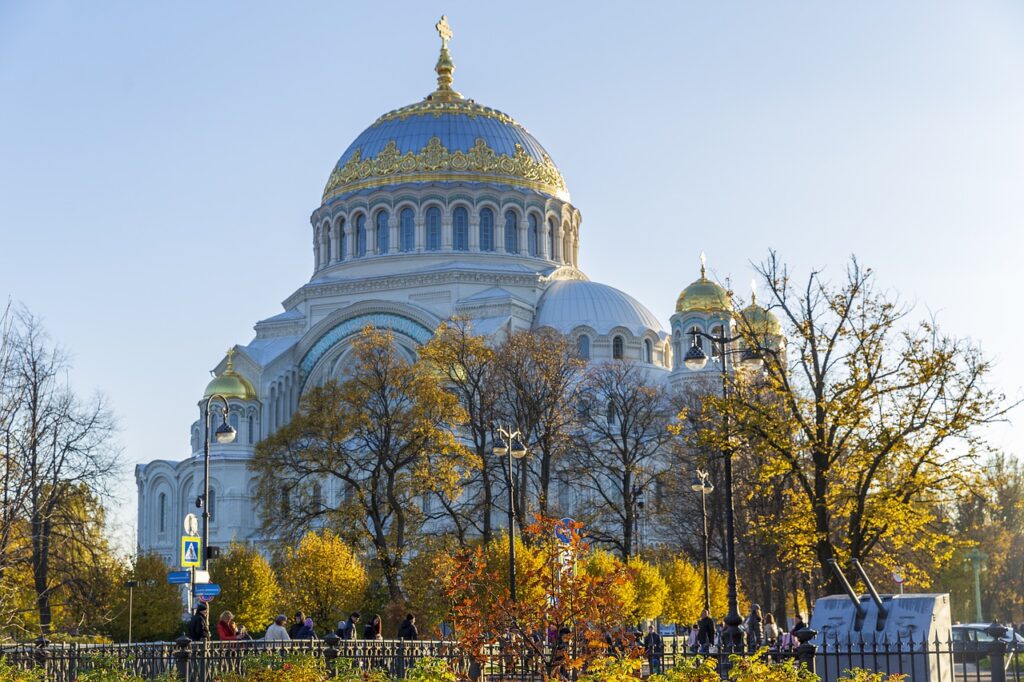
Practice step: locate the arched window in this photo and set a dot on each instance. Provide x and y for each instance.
(533, 235)
(341, 238)
(433, 229)
(212, 506)
(233, 420)
(566, 248)
(383, 233)
(617, 348)
(407, 228)
(612, 412)
(551, 238)
(695, 338)
(648, 352)
(460, 229)
(326, 251)
(486, 229)
(677, 349)
(361, 235)
(251, 429)
(511, 232)
(163, 512)
(583, 346)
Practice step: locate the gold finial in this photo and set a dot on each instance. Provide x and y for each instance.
(753, 291)
(231, 365)
(703, 265)
(445, 66)
(444, 30)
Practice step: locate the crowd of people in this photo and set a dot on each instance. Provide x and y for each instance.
(301, 628)
(758, 630)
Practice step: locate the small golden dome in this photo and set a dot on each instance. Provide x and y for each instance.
(761, 321)
(230, 383)
(704, 296)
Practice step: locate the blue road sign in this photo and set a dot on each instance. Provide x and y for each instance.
(207, 589)
(178, 577)
(564, 531)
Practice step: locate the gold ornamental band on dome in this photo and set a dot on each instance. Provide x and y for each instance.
(434, 162)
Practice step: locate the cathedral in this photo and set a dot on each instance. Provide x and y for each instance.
(441, 208)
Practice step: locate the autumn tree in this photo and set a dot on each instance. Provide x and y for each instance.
(157, 607)
(249, 587)
(876, 418)
(323, 577)
(988, 518)
(537, 376)
(685, 591)
(56, 446)
(385, 433)
(623, 416)
(466, 363)
(558, 592)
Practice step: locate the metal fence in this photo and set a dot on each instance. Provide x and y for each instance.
(921, 661)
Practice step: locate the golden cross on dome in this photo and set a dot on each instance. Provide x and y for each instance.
(703, 264)
(231, 352)
(444, 30)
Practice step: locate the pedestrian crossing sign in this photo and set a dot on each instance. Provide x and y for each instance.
(190, 552)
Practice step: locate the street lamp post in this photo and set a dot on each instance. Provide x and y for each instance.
(977, 559)
(508, 443)
(131, 585)
(696, 359)
(225, 434)
(703, 486)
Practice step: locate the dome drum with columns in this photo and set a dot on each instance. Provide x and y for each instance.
(443, 207)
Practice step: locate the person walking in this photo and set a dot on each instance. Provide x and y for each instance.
(227, 630)
(755, 633)
(276, 631)
(654, 647)
(372, 630)
(798, 625)
(705, 631)
(199, 626)
(407, 630)
(347, 628)
(771, 630)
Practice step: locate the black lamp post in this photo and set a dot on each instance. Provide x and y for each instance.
(696, 359)
(131, 585)
(225, 434)
(509, 443)
(703, 486)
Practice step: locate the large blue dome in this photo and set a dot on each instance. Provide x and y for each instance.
(445, 138)
(455, 140)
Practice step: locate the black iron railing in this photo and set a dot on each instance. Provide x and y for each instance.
(921, 660)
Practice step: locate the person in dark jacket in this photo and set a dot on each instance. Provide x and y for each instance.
(199, 626)
(705, 631)
(407, 630)
(755, 633)
(347, 628)
(798, 625)
(306, 631)
(372, 630)
(653, 648)
(297, 625)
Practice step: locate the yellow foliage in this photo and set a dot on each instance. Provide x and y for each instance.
(249, 587)
(650, 589)
(322, 577)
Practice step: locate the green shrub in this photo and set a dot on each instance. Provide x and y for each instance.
(9, 673)
(429, 669)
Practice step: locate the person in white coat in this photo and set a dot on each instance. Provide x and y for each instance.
(276, 632)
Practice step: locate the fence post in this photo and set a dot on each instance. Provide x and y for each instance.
(331, 653)
(998, 651)
(806, 651)
(41, 654)
(182, 654)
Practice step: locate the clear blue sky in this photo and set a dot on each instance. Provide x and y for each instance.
(159, 161)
